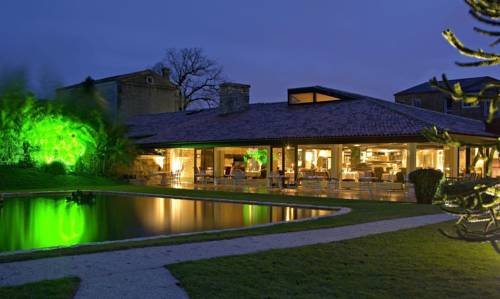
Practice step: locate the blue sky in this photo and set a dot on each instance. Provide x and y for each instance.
(371, 47)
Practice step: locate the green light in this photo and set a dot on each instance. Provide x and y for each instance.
(255, 214)
(56, 138)
(259, 155)
(48, 223)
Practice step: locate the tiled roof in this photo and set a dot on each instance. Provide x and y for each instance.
(365, 117)
(467, 84)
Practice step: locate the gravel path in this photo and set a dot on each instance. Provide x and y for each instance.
(140, 273)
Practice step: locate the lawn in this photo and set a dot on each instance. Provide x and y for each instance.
(54, 289)
(416, 263)
(362, 211)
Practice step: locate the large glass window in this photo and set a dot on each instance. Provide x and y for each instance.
(290, 163)
(252, 161)
(379, 162)
(314, 160)
(277, 160)
(181, 162)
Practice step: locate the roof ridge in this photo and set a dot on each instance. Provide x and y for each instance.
(388, 106)
(452, 81)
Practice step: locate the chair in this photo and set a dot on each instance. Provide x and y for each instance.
(238, 177)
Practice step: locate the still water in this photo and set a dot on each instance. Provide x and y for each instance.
(41, 222)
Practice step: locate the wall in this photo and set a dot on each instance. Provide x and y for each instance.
(137, 99)
(438, 102)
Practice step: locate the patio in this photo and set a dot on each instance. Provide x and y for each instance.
(385, 191)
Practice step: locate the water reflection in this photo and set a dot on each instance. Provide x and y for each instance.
(48, 222)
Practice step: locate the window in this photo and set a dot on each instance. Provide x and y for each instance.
(301, 98)
(309, 97)
(417, 102)
(324, 98)
(150, 80)
(448, 105)
(469, 105)
(383, 162)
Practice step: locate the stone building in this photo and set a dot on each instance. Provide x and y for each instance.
(142, 92)
(427, 97)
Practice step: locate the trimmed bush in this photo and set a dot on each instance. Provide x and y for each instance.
(55, 167)
(426, 182)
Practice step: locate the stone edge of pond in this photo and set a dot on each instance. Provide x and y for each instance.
(339, 211)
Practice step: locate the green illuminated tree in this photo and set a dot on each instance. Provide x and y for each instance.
(75, 131)
(476, 203)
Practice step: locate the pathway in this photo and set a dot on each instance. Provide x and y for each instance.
(140, 273)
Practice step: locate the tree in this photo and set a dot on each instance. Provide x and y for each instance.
(196, 76)
(476, 203)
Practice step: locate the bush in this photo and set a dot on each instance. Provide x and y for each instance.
(55, 167)
(426, 183)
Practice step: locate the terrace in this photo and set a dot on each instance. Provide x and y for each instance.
(321, 142)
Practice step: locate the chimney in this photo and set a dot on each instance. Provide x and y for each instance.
(233, 97)
(165, 73)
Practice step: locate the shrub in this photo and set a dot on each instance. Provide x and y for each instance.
(55, 167)
(426, 183)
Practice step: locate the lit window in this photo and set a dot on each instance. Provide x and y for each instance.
(324, 98)
(469, 105)
(301, 98)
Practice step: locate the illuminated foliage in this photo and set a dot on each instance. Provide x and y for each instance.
(74, 130)
(259, 155)
(478, 206)
(57, 138)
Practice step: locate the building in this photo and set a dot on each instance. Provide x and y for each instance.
(142, 92)
(319, 133)
(427, 97)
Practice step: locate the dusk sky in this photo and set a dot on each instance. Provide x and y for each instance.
(371, 47)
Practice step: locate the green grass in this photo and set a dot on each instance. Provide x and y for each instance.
(416, 263)
(14, 179)
(362, 211)
(54, 289)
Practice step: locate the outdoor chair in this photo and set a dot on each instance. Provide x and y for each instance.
(238, 178)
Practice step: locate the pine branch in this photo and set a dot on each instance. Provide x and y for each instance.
(487, 32)
(490, 59)
(484, 19)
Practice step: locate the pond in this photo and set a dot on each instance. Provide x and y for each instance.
(43, 222)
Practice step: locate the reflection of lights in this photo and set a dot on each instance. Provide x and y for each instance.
(159, 160)
(357, 145)
(176, 164)
(324, 153)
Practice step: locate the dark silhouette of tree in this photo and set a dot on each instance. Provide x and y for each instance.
(196, 76)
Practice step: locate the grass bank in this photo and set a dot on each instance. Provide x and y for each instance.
(14, 179)
(416, 263)
(64, 288)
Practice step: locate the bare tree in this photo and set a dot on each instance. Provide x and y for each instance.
(196, 76)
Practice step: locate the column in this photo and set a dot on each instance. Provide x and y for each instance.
(337, 161)
(411, 164)
(454, 161)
